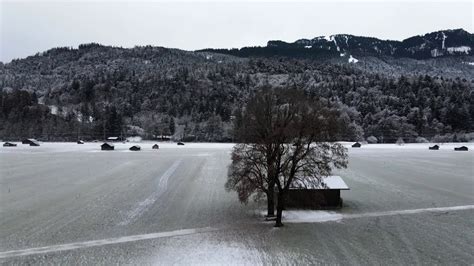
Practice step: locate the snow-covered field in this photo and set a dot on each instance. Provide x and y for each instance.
(66, 203)
(95, 146)
(147, 146)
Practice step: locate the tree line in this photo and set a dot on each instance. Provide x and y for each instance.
(98, 91)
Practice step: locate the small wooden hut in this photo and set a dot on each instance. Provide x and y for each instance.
(107, 147)
(310, 194)
(356, 145)
(135, 148)
(29, 141)
(9, 144)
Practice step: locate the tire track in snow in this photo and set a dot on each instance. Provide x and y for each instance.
(142, 206)
(102, 242)
(325, 216)
(183, 232)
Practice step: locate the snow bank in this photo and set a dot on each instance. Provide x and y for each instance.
(310, 216)
(459, 49)
(134, 139)
(444, 40)
(53, 109)
(352, 59)
(435, 53)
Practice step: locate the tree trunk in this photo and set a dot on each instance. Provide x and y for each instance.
(280, 207)
(270, 204)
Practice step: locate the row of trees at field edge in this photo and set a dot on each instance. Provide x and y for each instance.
(284, 136)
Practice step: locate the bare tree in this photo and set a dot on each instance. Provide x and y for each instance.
(260, 130)
(248, 173)
(311, 153)
(286, 138)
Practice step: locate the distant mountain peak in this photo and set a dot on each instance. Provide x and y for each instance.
(451, 42)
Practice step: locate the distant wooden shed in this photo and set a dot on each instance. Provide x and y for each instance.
(462, 148)
(115, 139)
(313, 195)
(9, 144)
(435, 147)
(180, 143)
(29, 141)
(80, 142)
(356, 145)
(34, 143)
(135, 148)
(155, 147)
(107, 147)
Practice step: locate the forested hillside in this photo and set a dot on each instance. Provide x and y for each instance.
(97, 91)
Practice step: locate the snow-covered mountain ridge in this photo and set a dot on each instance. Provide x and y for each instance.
(435, 44)
(445, 43)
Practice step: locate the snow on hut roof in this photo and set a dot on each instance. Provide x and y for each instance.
(109, 144)
(112, 138)
(328, 182)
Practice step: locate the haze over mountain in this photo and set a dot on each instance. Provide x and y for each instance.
(418, 87)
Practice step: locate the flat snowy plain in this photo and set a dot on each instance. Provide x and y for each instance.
(64, 203)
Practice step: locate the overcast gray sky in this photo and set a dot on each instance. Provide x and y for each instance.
(28, 27)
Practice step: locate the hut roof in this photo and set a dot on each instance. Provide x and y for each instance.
(107, 144)
(328, 182)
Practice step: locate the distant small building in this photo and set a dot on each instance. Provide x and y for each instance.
(163, 137)
(135, 148)
(462, 148)
(356, 145)
(435, 147)
(180, 143)
(155, 147)
(9, 144)
(115, 139)
(34, 143)
(307, 194)
(107, 147)
(29, 141)
(80, 142)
